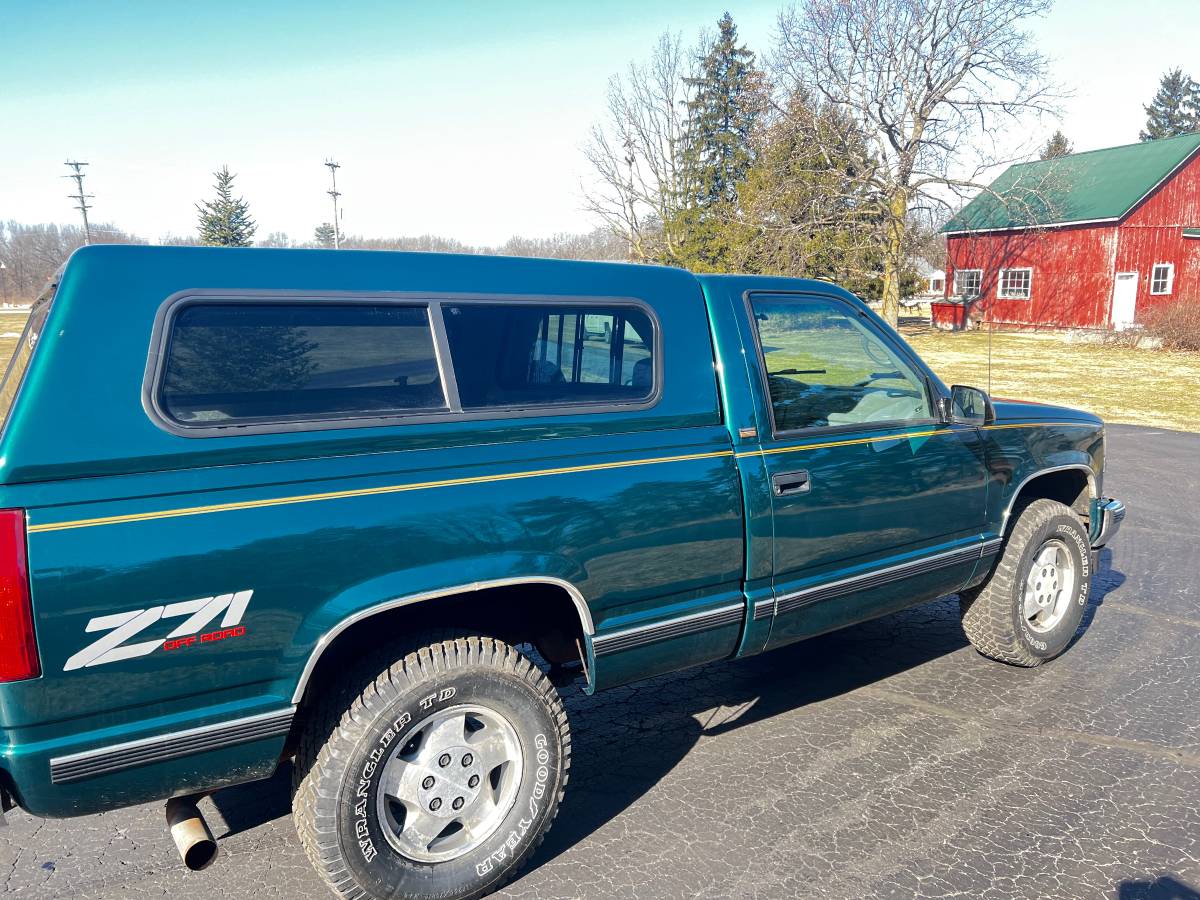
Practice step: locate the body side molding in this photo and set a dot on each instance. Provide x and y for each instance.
(879, 577)
(581, 607)
(165, 747)
(693, 623)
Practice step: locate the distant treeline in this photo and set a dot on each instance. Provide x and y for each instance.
(32, 253)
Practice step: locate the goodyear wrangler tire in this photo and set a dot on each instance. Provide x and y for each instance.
(439, 779)
(1030, 607)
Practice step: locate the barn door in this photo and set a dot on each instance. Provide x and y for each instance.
(1124, 302)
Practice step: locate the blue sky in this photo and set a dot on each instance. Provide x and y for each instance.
(464, 119)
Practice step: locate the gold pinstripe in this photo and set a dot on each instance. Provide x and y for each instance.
(365, 492)
(485, 479)
(895, 437)
(766, 451)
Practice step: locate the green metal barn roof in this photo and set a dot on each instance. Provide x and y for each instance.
(1100, 185)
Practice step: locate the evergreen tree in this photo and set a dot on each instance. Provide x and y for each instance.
(324, 235)
(1057, 146)
(721, 117)
(727, 103)
(1175, 109)
(225, 221)
(802, 211)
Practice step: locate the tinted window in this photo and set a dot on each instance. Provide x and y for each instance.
(279, 362)
(825, 368)
(527, 354)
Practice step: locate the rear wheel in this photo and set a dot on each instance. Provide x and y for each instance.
(1032, 603)
(438, 779)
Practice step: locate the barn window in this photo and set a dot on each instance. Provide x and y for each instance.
(1015, 284)
(1162, 279)
(968, 282)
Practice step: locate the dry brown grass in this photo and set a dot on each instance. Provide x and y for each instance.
(1141, 387)
(12, 321)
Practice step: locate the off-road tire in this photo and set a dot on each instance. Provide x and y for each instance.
(335, 770)
(992, 613)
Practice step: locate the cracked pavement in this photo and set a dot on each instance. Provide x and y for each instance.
(887, 760)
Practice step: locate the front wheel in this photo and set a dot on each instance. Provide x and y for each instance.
(1032, 603)
(439, 779)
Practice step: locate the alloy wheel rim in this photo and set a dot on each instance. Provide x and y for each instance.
(450, 783)
(1049, 587)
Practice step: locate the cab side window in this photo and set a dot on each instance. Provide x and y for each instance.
(825, 368)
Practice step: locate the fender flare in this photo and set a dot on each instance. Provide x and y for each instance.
(326, 640)
(1037, 473)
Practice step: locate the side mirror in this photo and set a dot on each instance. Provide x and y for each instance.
(970, 406)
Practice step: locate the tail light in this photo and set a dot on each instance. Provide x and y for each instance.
(18, 645)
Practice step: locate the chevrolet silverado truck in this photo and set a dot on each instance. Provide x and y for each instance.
(369, 512)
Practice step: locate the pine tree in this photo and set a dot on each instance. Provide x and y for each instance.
(727, 104)
(721, 116)
(324, 235)
(1057, 146)
(225, 222)
(1175, 109)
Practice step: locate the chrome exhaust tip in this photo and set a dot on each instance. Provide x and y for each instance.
(189, 831)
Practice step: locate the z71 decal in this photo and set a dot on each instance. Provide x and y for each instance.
(122, 627)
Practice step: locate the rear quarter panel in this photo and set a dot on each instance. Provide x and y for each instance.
(640, 511)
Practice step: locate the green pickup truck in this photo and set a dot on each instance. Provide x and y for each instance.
(369, 512)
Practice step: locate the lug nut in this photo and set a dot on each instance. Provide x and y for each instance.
(458, 803)
(435, 804)
(467, 760)
(428, 782)
(444, 760)
(474, 782)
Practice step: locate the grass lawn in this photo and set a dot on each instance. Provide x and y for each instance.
(12, 322)
(1139, 387)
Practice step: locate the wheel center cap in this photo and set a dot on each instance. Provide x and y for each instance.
(452, 780)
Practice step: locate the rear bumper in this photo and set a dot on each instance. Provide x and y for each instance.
(1107, 516)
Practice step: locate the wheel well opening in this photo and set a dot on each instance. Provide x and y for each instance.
(1071, 487)
(537, 613)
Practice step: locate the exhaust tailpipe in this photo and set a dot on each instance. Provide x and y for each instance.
(190, 832)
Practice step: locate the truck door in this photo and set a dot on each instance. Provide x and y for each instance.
(876, 503)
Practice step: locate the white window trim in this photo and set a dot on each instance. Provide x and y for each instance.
(958, 291)
(1002, 294)
(1170, 267)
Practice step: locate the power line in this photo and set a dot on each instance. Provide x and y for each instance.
(337, 229)
(81, 198)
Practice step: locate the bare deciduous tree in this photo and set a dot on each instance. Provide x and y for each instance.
(32, 254)
(930, 90)
(637, 154)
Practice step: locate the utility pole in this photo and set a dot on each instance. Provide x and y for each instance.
(337, 228)
(81, 198)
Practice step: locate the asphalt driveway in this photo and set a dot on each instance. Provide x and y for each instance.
(889, 760)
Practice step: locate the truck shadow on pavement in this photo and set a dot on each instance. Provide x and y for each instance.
(627, 739)
(1164, 887)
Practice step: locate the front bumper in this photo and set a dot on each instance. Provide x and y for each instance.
(1107, 516)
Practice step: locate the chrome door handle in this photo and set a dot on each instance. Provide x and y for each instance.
(784, 483)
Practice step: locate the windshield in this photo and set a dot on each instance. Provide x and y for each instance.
(23, 352)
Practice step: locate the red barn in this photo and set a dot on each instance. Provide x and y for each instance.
(1088, 240)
